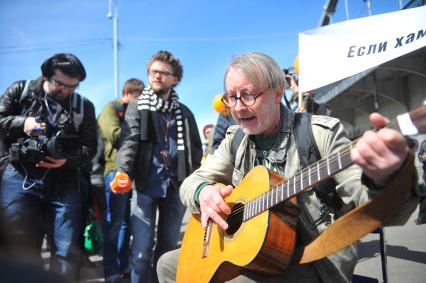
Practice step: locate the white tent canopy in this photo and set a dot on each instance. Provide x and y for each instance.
(332, 53)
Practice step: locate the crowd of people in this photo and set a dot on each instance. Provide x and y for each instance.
(51, 135)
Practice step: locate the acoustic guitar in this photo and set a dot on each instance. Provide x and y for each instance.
(262, 232)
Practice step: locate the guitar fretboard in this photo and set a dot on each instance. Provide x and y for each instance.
(303, 180)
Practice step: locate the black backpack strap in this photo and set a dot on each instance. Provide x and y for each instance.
(236, 141)
(77, 110)
(304, 138)
(119, 108)
(26, 101)
(309, 153)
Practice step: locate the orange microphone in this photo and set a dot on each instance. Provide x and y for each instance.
(121, 183)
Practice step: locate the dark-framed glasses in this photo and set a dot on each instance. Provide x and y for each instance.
(158, 72)
(58, 84)
(248, 99)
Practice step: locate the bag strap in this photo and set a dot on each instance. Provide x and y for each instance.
(304, 138)
(309, 153)
(26, 101)
(25, 91)
(119, 108)
(236, 141)
(77, 110)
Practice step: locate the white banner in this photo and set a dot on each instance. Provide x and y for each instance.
(337, 51)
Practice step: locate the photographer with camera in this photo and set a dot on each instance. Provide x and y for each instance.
(49, 133)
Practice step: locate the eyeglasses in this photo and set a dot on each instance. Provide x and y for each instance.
(158, 72)
(247, 99)
(58, 84)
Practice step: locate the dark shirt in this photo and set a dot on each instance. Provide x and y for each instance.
(161, 178)
(422, 150)
(423, 161)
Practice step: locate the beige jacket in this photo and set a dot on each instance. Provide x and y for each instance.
(330, 138)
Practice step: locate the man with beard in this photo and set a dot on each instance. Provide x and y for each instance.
(39, 191)
(160, 146)
(254, 87)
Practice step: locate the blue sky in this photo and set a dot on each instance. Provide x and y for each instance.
(204, 35)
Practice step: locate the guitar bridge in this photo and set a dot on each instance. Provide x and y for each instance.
(206, 239)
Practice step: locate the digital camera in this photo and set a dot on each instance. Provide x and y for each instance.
(51, 140)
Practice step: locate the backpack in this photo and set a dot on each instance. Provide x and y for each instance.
(77, 105)
(98, 162)
(308, 152)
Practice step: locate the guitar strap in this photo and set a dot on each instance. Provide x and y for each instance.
(365, 218)
(120, 108)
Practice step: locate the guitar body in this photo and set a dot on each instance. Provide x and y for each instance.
(264, 243)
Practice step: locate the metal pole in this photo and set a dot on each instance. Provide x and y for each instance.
(346, 9)
(383, 254)
(369, 7)
(116, 49)
(113, 14)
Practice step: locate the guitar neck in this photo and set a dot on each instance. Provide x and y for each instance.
(303, 180)
(411, 123)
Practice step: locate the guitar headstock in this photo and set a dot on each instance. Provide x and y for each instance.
(414, 122)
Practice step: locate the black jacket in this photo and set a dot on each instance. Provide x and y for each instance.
(222, 124)
(135, 156)
(14, 111)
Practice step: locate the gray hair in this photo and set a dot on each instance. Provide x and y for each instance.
(261, 70)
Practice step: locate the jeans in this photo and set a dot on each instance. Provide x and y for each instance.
(143, 216)
(31, 213)
(296, 273)
(116, 232)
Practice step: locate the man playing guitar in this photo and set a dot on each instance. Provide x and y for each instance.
(254, 88)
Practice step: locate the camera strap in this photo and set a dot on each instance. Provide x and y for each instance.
(33, 183)
(77, 105)
(52, 108)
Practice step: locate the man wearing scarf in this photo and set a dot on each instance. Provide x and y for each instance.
(160, 147)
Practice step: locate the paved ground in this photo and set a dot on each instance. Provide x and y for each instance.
(406, 255)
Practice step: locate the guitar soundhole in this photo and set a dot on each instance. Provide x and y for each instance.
(235, 219)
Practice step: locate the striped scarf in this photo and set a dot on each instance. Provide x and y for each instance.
(150, 107)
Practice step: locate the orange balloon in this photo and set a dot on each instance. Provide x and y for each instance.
(296, 64)
(217, 103)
